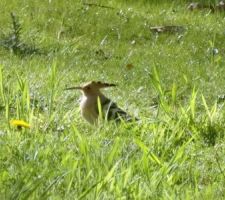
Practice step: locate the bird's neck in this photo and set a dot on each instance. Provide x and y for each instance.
(94, 97)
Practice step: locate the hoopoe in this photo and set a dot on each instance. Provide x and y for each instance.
(89, 103)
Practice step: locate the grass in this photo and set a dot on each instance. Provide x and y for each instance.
(170, 81)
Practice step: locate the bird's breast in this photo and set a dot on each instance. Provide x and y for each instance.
(88, 108)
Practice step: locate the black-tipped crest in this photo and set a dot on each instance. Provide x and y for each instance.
(92, 84)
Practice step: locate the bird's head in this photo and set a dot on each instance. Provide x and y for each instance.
(92, 87)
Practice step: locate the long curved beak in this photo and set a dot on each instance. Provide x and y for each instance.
(74, 88)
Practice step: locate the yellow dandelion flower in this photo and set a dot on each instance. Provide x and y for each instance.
(19, 123)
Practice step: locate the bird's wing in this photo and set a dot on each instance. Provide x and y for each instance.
(113, 112)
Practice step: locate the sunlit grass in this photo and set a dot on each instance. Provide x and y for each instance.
(177, 149)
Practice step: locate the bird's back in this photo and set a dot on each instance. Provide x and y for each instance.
(113, 112)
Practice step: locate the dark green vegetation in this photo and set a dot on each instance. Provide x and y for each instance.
(170, 81)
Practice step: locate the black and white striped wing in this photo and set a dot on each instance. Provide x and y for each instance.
(113, 112)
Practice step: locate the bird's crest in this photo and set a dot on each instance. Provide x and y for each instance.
(92, 84)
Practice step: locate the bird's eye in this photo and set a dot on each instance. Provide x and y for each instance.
(88, 88)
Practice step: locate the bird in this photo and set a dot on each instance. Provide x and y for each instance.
(94, 103)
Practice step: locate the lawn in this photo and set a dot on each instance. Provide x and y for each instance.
(173, 82)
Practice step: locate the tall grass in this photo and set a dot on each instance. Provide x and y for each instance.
(171, 81)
